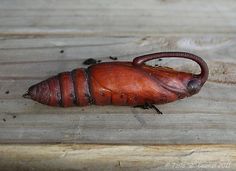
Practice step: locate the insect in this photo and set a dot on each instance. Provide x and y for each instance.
(121, 83)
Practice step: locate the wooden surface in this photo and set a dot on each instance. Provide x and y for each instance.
(41, 38)
(107, 157)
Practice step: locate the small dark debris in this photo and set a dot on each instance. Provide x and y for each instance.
(90, 61)
(142, 106)
(145, 38)
(113, 58)
(7, 92)
(149, 106)
(99, 61)
(156, 65)
(61, 51)
(4, 120)
(159, 59)
(14, 116)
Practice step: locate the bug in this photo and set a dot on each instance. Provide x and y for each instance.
(121, 83)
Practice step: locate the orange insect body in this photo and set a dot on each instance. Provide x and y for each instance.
(121, 83)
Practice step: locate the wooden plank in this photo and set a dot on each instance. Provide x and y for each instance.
(117, 18)
(107, 129)
(107, 157)
(206, 118)
(219, 71)
(11, 95)
(48, 49)
(39, 39)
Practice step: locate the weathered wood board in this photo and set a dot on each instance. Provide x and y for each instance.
(109, 157)
(39, 39)
(208, 117)
(111, 17)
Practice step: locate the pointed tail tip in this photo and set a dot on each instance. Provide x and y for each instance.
(26, 95)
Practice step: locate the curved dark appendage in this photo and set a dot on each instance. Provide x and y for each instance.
(149, 106)
(204, 68)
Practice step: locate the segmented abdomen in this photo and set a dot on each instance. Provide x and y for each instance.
(65, 89)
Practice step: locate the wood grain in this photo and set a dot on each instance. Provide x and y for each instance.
(206, 118)
(107, 157)
(39, 39)
(42, 38)
(117, 18)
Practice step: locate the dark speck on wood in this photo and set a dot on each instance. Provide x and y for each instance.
(7, 92)
(90, 61)
(4, 120)
(113, 58)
